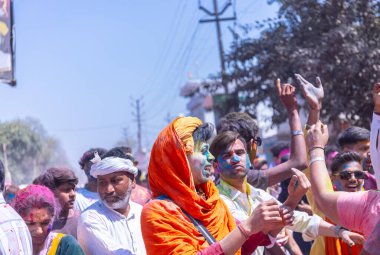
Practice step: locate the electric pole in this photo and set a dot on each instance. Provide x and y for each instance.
(217, 19)
(137, 114)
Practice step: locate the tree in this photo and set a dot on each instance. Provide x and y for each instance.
(28, 149)
(338, 40)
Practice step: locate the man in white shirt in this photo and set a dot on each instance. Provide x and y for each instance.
(88, 195)
(14, 234)
(231, 160)
(112, 224)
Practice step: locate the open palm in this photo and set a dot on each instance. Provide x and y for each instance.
(313, 94)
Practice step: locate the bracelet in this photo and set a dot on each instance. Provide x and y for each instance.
(297, 132)
(316, 159)
(316, 147)
(243, 231)
(338, 229)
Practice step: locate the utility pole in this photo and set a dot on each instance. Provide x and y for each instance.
(138, 105)
(217, 19)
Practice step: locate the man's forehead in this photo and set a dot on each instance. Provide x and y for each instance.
(351, 164)
(236, 145)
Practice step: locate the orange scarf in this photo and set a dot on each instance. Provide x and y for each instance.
(166, 230)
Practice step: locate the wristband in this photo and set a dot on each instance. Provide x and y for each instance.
(312, 160)
(316, 147)
(297, 132)
(338, 229)
(243, 231)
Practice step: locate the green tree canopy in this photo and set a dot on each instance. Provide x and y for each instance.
(28, 149)
(338, 40)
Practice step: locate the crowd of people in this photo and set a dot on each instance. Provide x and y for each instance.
(210, 194)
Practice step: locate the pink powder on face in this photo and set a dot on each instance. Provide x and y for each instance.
(34, 196)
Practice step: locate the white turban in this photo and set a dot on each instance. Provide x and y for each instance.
(112, 164)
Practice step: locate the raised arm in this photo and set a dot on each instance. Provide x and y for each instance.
(297, 159)
(313, 96)
(325, 199)
(375, 133)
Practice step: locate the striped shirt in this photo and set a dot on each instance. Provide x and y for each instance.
(14, 234)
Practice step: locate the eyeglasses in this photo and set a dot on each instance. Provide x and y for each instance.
(258, 141)
(346, 175)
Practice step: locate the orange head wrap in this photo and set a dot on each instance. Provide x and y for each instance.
(170, 175)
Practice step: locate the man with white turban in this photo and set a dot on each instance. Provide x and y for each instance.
(112, 224)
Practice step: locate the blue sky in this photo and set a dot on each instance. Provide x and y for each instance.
(80, 64)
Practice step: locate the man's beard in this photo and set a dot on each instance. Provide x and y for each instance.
(121, 204)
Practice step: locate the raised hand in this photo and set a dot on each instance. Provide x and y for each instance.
(318, 135)
(376, 97)
(287, 95)
(312, 94)
(298, 186)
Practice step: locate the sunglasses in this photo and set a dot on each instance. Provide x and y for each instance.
(346, 175)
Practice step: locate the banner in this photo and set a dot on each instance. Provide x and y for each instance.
(6, 43)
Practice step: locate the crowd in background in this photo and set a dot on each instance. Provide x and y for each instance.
(210, 194)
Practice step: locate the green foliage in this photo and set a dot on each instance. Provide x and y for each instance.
(338, 40)
(29, 149)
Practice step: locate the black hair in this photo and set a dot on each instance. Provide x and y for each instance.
(90, 154)
(203, 132)
(329, 149)
(278, 147)
(119, 153)
(223, 140)
(353, 135)
(56, 176)
(241, 123)
(342, 158)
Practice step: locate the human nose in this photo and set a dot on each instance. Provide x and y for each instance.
(72, 193)
(38, 229)
(235, 158)
(109, 188)
(352, 176)
(210, 157)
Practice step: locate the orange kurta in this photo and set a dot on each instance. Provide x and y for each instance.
(166, 230)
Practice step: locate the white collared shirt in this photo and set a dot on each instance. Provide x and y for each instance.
(84, 198)
(240, 205)
(102, 230)
(14, 234)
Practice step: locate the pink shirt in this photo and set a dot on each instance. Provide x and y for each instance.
(359, 211)
(372, 245)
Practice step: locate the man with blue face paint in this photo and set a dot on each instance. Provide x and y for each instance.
(232, 161)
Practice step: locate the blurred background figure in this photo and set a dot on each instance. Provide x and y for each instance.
(37, 206)
(14, 235)
(10, 193)
(88, 195)
(62, 182)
